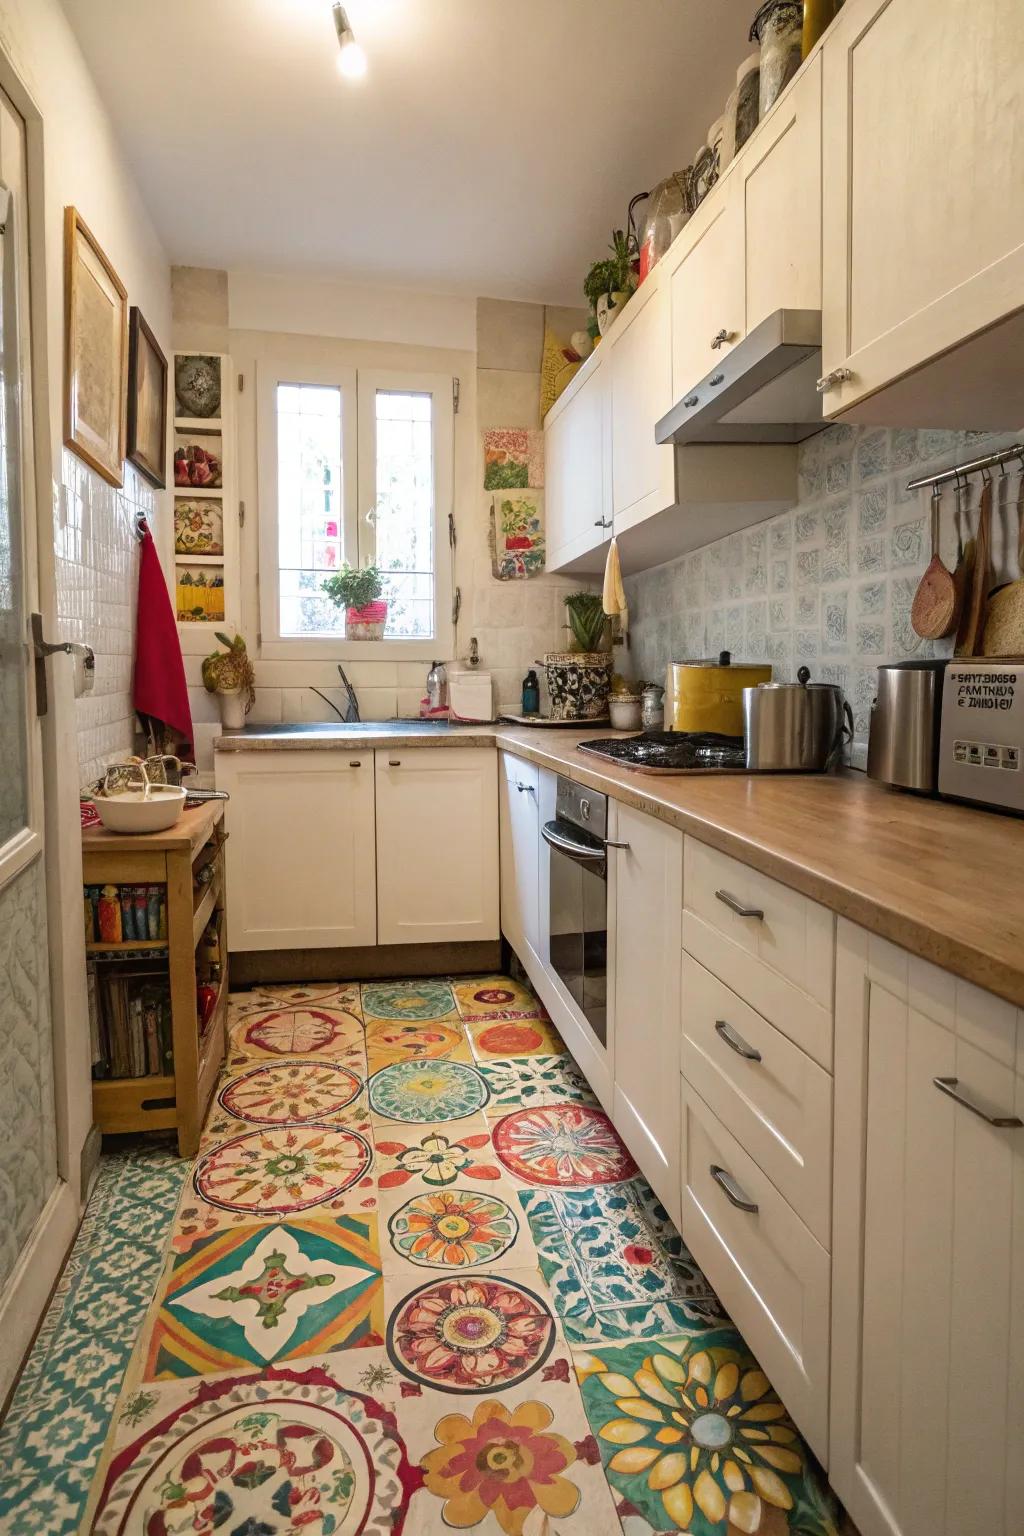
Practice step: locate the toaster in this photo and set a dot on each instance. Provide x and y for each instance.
(981, 733)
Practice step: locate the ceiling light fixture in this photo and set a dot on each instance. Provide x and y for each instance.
(351, 58)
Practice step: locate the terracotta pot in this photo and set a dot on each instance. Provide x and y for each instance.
(368, 622)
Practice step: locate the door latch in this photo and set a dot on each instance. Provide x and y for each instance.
(42, 648)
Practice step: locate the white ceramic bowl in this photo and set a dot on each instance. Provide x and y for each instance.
(132, 811)
(624, 713)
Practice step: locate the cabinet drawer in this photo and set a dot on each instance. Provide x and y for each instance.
(780, 957)
(769, 1271)
(774, 1099)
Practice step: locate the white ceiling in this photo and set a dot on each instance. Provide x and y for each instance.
(490, 149)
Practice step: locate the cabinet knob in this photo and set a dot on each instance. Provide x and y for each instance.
(691, 401)
(720, 338)
(830, 380)
(716, 379)
(394, 762)
(355, 762)
(602, 522)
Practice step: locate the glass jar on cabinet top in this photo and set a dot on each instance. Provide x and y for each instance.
(778, 27)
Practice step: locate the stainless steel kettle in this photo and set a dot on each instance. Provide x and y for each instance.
(798, 727)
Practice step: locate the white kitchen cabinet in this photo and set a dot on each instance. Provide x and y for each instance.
(300, 856)
(779, 175)
(928, 1314)
(923, 225)
(577, 470)
(640, 366)
(645, 886)
(437, 844)
(519, 842)
(705, 280)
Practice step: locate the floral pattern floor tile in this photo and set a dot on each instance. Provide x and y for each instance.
(413, 1282)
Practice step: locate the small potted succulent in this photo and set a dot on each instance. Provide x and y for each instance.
(359, 590)
(229, 674)
(579, 679)
(610, 282)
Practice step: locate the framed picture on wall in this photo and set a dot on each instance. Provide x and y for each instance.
(95, 352)
(147, 401)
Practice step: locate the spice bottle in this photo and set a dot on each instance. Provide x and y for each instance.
(531, 693)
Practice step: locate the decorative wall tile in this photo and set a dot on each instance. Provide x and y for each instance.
(871, 555)
(872, 508)
(872, 455)
(834, 622)
(870, 598)
(808, 567)
(837, 475)
(780, 575)
(906, 543)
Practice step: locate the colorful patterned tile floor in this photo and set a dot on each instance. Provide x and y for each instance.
(414, 1281)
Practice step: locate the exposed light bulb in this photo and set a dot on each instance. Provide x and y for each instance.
(352, 61)
(351, 58)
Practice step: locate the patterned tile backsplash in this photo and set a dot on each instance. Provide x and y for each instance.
(830, 583)
(97, 588)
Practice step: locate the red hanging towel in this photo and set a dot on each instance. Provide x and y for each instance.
(159, 690)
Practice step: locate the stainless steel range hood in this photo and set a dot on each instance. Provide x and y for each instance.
(762, 391)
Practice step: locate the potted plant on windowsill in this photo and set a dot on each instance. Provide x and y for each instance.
(359, 590)
(579, 680)
(610, 282)
(231, 677)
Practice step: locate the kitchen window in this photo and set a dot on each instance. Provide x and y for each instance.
(355, 466)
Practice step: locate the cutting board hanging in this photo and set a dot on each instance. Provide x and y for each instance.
(1004, 620)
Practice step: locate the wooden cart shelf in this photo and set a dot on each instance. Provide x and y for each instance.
(177, 1101)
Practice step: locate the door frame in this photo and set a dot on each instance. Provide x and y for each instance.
(27, 1291)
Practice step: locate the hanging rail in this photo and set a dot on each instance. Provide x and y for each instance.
(974, 467)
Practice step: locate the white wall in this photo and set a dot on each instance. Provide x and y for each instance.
(351, 311)
(96, 555)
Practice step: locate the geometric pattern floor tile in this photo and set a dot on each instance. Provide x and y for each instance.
(413, 1281)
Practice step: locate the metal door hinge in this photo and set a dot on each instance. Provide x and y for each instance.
(241, 514)
(456, 391)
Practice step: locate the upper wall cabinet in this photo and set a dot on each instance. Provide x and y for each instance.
(640, 366)
(754, 246)
(923, 248)
(577, 471)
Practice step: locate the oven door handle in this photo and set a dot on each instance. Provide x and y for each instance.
(583, 853)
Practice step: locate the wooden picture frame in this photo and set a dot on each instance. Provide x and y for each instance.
(147, 401)
(95, 353)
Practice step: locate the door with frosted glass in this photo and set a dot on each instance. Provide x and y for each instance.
(28, 1159)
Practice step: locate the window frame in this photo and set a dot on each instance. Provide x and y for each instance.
(358, 387)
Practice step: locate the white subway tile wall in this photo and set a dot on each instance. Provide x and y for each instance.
(97, 564)
(830, 583)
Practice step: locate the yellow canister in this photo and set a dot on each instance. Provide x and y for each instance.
(708, 695)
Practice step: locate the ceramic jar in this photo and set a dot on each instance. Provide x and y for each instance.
(579, 683)
(779, 28)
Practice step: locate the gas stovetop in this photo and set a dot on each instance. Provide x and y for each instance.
(672, 752)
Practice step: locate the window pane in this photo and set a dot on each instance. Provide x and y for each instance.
(311, 529)
(404, 522)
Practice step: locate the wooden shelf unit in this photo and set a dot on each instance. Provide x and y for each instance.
(177, 1101)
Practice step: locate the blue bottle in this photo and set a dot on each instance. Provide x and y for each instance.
(531, 694)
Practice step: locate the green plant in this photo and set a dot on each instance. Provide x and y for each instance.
(225, 673)
(354, 586)
(587, 620)
(612, 274)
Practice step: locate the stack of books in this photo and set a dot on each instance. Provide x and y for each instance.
(130, 1023)
(116, 914)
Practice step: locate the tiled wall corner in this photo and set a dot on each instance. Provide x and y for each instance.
(97, 555)
(829, 584)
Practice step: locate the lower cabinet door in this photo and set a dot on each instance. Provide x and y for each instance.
(300, 852)
(645, 884)
(928, 1336)
(437, 844)
(519, 836)
(772, 1275)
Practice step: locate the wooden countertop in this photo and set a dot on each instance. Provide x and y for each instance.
(942, 880)
(191, 830)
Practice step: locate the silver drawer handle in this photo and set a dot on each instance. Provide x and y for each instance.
(738, 907)
(830, 380)
(526, 789)
(394, 762)
(602, 522)
(951, 1086)
(354, 762)
(733, 1191)
(735, 1041)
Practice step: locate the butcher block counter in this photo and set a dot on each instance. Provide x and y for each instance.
(944, 881)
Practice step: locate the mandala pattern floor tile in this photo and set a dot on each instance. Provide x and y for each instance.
(413, 1280)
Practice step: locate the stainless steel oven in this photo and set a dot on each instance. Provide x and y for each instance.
(578, 899)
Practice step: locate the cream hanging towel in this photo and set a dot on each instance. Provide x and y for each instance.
(613, 599)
